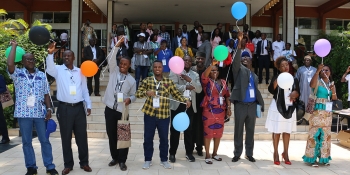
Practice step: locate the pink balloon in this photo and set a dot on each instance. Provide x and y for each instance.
(176, 64)
(322, 47)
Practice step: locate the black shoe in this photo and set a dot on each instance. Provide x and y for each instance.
(190, 158)
(113, 162)
(235, 159)
(31, 171)
(200, 153)
(51, 172)
(122, 166)
(172, 158)
(250, 158)
(4, 141)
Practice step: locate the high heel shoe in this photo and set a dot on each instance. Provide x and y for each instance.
(276, 162)
(285, 161)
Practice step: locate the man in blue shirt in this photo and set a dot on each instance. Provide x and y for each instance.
(245, 96)
(164, 54)
(32, 108)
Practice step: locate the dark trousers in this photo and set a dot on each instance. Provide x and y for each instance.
(151, 123)
(264, 62)
(140, 71)
(112, 117)
(97, 83)
(245, 116)
(175, 135)
(3, 125)
(73, 119)
(255, 64)
(275, 70)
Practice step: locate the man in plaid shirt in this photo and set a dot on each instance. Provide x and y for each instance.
(157, 112)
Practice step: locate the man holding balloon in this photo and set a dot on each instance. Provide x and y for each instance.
(157, 90)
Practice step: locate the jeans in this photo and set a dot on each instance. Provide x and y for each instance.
(150, 125)
(26, 128)
(140, 71)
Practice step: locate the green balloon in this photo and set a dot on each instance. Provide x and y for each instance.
(220, 53)
(19, 53)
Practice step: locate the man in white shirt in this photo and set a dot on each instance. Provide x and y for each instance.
(263, 51)
(64, 39)
(255, 57)
(72, 93)
(277, 48)
(185, 33)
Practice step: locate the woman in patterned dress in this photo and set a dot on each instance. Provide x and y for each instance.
(88, 33)
(216, 105)
(183, 50)
(318, 144)
(152, 57)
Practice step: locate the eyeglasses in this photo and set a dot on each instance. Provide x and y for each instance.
(30, 59)
(325, 70)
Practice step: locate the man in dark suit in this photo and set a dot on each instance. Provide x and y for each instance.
(228, 34)
(263, 51)
(175, 42)
(245, 96)
(186, 34)
(246, 31)
(206, 48)
(193, 35)
(93, 53)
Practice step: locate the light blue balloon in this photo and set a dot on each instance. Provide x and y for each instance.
(239, 10)
(181, 122)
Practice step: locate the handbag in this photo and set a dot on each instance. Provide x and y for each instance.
(6, 99)
(123, 130)
(311, 102)
(337, 105)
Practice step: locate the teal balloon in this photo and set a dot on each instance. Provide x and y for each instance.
(239, 10)
(19, 53)
(181, 122)
(220, 53)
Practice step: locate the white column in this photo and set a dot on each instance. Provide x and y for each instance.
(288, 22)
(75, 33)
(110, 5)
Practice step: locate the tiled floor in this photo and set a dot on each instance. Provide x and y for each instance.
(12, 161)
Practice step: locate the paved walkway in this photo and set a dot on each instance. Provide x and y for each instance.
(12, 161)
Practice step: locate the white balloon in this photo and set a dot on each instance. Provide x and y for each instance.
(285, 80)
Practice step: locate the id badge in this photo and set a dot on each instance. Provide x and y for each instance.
(221, 100)
(329, 106)
(221, 64)
(72, 90)
(156, 102)
(31, 101)
(145, 56)
(252, 92)
(120, 97)
(187, 93)
(164, 61)
(309, 79)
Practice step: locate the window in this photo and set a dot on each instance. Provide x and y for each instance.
(102, 37)
(347, 25)
(304, 23)
(61, 17)
(51, 17)
(43, 17)
(334, 24)
(12, 15)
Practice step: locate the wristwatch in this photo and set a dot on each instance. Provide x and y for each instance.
(49, 109)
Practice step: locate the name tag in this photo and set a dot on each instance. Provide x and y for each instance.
(31, 101)
(156, 102)
(287, 98)
(187, 93)
(329, 106)
(221, 64)
(164, 61)
(221, 100)
(120, 97)
(309, 79)
(145, 56)
(252, 92)
(72, 90)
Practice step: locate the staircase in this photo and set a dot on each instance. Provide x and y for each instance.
(96, 127)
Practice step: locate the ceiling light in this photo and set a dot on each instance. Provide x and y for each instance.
(126, 4)
(176, 4)
(222, 6)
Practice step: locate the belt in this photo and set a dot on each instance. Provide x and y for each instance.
(245, 103)
(71, 104)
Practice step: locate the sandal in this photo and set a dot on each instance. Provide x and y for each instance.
(314, 164)
(217, 158)
(209, 161)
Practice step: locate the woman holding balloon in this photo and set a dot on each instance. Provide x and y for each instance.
(281, 117)
(216, 105)
(318, 144)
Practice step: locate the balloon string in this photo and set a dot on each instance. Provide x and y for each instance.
(109, 56)
(165, 98)
(237, 25)
(47, 84)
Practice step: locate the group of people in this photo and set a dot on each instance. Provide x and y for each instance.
(201, 91)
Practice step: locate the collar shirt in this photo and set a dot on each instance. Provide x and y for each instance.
(93, 49)
(264, 44)
(255, 42)
(27, 85)
(126, 32)
(166, 87)
(166, 36)
(118, 83)
(64, 36)
(277, 48)
(185, 35)
(142, 60)
(178, 40)
(66, 80)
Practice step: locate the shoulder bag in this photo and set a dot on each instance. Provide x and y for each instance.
(123, 130)
(311, 103)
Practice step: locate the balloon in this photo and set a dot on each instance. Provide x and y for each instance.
(250, 46)
(239, 10)
(285, 80)
(322, 47)
(176, 64)
(220, 53)
(39, 35)
(19, 53)
(89, 68)
(181, 121)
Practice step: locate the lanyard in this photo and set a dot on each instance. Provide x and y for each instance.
(164, 52)
(120, 83)
(327, 87)
(30, 82)
(157, 85)
(250, 76)
(223, 86)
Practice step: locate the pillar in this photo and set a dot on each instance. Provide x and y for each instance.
(227, 27)
(177, 25)
(75, 32)
(322, 21)
(275, 24)
(288, 21)
(110, 20)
